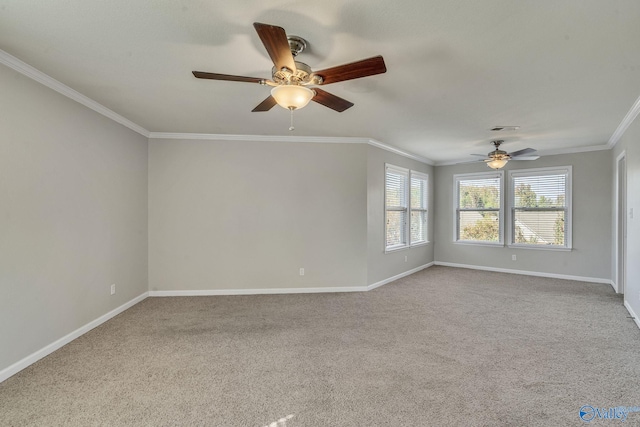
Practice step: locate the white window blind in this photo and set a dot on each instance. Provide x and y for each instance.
(396, 206)
(479, 207)
(406, 207)
(540, 211)
(419, 197)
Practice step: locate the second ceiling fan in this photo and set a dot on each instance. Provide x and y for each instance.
(498, 158)
(290, 79)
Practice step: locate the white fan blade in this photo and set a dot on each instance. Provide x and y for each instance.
(526, 158)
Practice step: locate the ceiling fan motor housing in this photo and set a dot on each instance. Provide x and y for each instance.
(498, 153)
(302, 75)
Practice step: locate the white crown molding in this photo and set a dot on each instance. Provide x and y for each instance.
(400, 152)
(457, 162)
(527, 273)
(37, 75)
(288, 138)
(624, 124)
(34, 357)
(258, 138)
(574, 150)
(48, 81)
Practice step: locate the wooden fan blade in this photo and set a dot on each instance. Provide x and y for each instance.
(329, 100)
(275, 41)
(228, 77)
(522, 152)
(265, 105)
(354, 70)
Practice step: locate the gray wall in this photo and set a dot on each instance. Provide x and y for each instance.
(630, 143)
(590, 257)
(381, 266)
(236, 214)
(73, 216)
(87, 202)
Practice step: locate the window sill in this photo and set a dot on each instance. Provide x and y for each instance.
(400, 248)
(395, 249)
(541, 248)
(472, 243)
(415, 245)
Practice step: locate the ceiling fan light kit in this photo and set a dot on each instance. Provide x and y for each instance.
(290, 78)
(497, 163)
(292, 97)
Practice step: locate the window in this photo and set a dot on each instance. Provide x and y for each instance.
(478, 208)
(396, 206)
(540, 202)
(418, 227)
(405, 208)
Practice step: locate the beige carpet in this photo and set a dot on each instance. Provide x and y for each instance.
(441, 347)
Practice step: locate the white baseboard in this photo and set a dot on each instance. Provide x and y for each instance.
(272, 291)
(266, 291)
(34, 357)
(632, 313)
(527, 273)
(398, 276)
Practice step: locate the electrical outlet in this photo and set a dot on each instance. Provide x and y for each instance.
(302, 271)
(514, 257)
(405, 258)
(113, 289)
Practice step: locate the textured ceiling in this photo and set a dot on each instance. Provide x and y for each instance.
(566, 72)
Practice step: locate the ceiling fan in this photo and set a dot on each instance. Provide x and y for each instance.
(290, 78)
(498, 158)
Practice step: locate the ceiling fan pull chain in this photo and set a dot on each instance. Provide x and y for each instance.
(291, 128)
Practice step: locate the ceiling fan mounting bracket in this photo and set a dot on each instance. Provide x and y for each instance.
(296, 44)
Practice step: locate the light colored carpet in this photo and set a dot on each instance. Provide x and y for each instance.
(441, 347)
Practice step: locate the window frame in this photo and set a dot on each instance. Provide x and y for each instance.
(404, 209)
(457, 178)
(424, 177)
(409, 174)
(568, 220)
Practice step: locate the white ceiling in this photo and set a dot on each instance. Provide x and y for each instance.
(565, 71)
